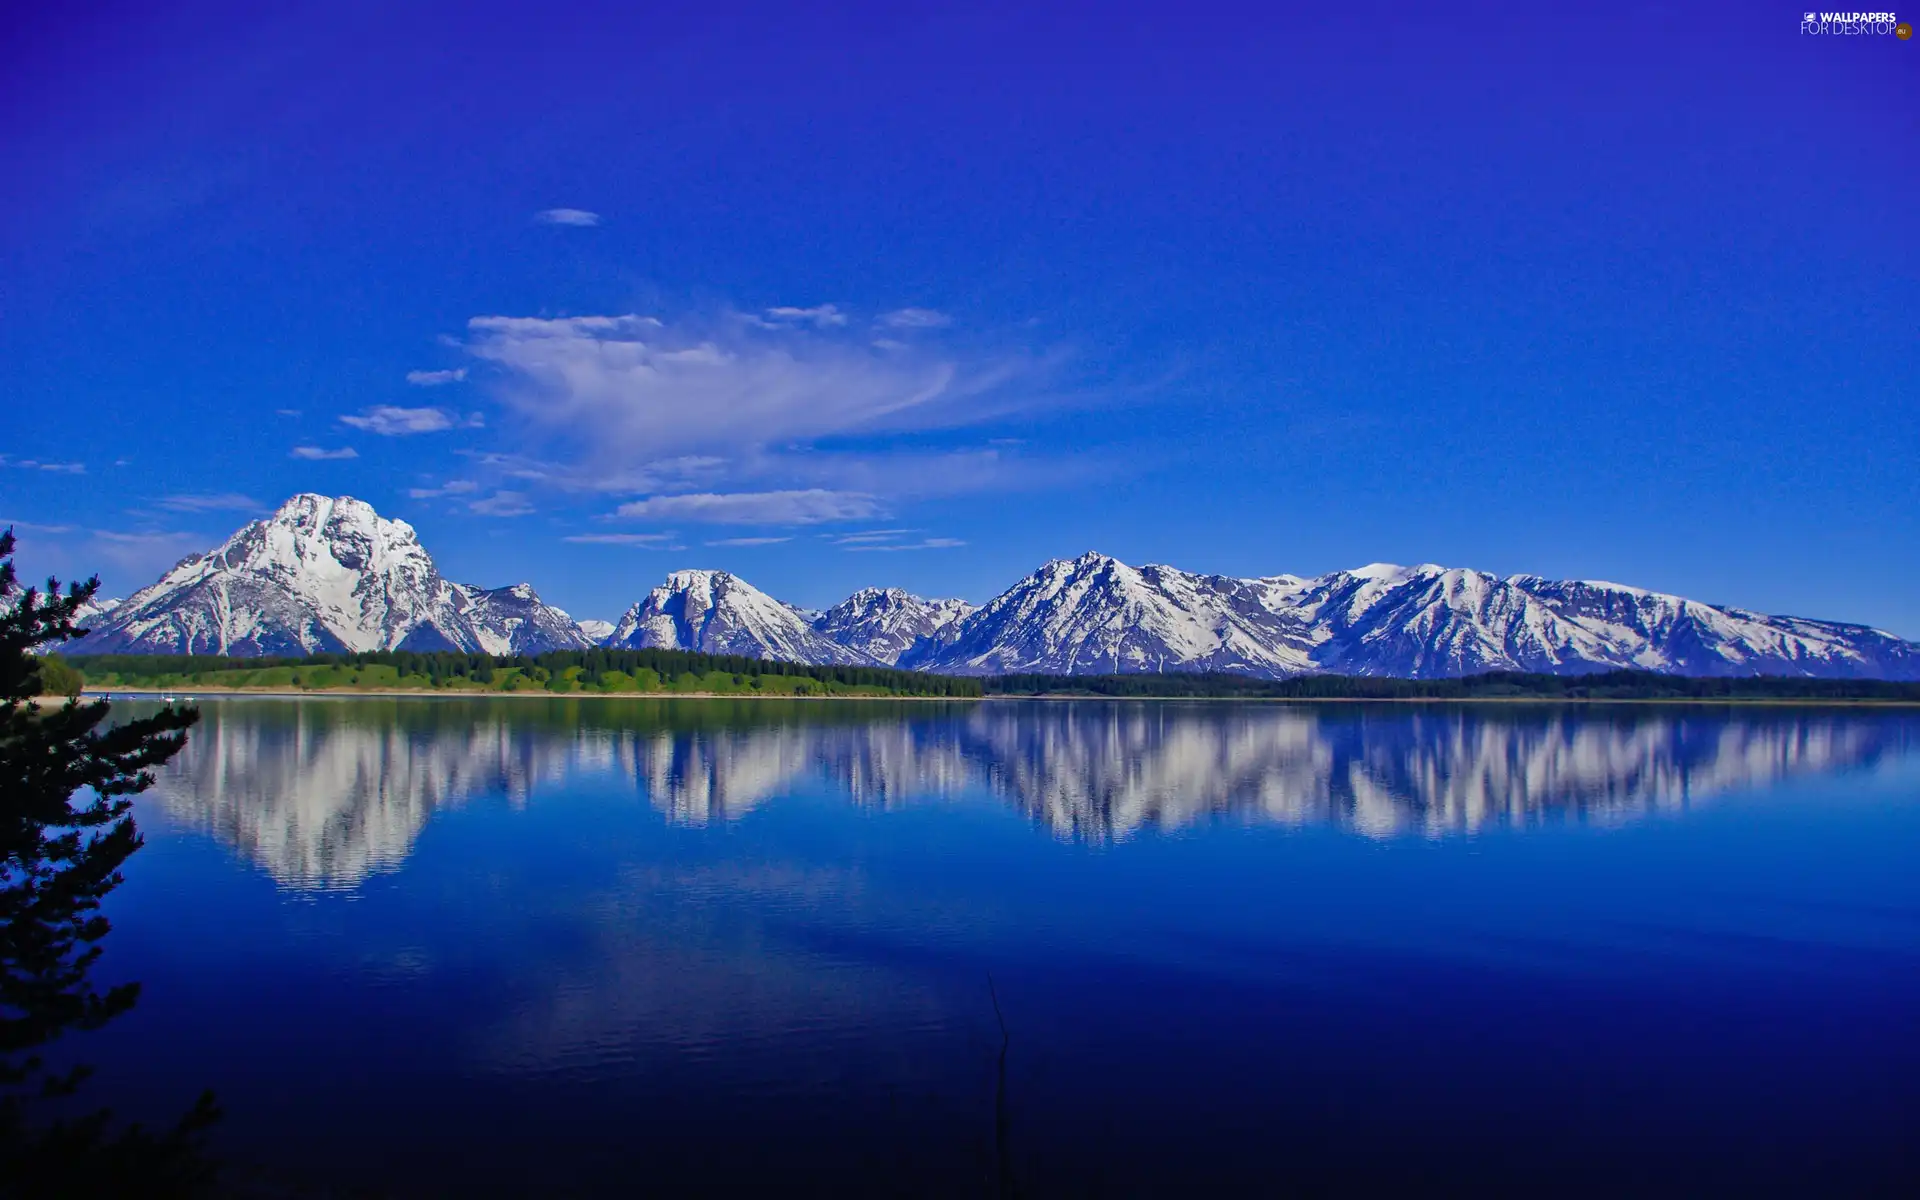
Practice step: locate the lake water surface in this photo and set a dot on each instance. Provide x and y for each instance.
(616, 947)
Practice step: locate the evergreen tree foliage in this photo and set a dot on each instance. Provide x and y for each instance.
(66, 782)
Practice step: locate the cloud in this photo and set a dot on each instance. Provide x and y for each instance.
(436, 378)
(937, 543)
(453, 487)
(223, 502)
(388, 420)
(665, 475)
(750, 541)
(287, 412)
(809, 506)
(630, 389)
(316, 454)
(33, 527)
(793, 417)
(502, 504)
(889, 540)
(567, 216)
(34, 464)
(644, 540)
(916, 318)
(823, 315)
(869, 535)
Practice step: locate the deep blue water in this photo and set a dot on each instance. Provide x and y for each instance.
(505, 946)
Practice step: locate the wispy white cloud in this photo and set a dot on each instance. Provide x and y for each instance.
(567, 216)
(390, 420)
(916, 318)
(453, 487)
(436, 378)
(808, 506)
(34, 464)
(221, 502)
(502, 504)
(826, 316)
(629, 389)
(316, 454)
(287, 412)
(790, 416)
(33, 527)
(750, 541)
(937, 543)
(868, 535)
(652, 541)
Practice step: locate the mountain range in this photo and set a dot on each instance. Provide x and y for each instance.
(331, 574)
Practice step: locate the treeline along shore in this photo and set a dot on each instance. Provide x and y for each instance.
(560, 672)
(670, 672)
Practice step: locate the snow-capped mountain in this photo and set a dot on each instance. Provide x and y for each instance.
(93, 612)
(324, 574)
(715, 612)
(1096, 614)
(888, 624)
(330, 574)
(513, 620)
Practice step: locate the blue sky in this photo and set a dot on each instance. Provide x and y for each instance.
(924, 297)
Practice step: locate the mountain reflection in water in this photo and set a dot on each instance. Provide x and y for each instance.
(323, 793)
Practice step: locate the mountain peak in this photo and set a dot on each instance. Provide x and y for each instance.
(890, 625)
(324, 573)
(717, 612)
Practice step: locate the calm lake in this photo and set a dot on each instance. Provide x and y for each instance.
(618, 947)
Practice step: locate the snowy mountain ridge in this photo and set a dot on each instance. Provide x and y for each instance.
(330, 574)
(1097, 614)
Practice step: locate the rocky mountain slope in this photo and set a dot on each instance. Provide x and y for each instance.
(324, 574)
